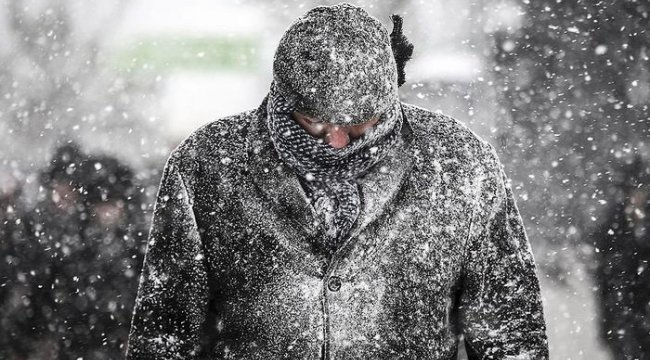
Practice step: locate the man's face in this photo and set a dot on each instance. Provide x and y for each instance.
(336, 136)
(636, 205)
(109, 214)
(64, 196)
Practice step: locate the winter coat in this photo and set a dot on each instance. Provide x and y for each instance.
(80, 257)
(234, 267)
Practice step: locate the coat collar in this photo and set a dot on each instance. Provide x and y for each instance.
(284, 196)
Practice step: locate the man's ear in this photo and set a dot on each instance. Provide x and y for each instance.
(402, 48)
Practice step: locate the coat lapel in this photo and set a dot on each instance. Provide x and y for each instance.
(380, 186)
(282, 205)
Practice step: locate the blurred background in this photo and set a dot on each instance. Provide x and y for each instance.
(95, 95)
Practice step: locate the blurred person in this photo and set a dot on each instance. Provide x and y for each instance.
(79, 274)
(28, 310)
(54, 225)
(95, 278)
(622, 275)
(19, 269)
(115, 231)
(336, 222)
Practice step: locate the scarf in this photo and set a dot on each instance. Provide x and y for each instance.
(328, 175)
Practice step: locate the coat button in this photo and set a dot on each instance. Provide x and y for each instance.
(334, 283)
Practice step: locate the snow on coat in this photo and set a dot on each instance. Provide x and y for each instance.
(235, 268)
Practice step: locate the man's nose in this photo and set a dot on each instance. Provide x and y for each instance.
(337, 137)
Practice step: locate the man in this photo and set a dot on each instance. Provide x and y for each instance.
(51, 229)
(335, 222)
(622, 259)
(79, 260)
(94, 276)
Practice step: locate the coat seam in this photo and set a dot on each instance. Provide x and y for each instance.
(190, 203)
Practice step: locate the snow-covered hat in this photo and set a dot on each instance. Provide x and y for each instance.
(336, 64)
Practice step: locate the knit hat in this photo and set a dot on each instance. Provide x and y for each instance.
(64, 166)
(335, 64)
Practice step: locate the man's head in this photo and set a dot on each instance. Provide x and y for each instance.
(336, 66)
(336, 77)
(61, 180)
(110, 190)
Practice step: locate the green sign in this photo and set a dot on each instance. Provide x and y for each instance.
(205, 53)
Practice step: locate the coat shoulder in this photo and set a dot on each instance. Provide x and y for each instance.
(450, 155)
(442, 138)
(218, 145)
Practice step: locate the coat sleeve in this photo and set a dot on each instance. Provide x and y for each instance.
(500, 305)
(172, 297)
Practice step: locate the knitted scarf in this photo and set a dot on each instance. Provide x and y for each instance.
(329, 175)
